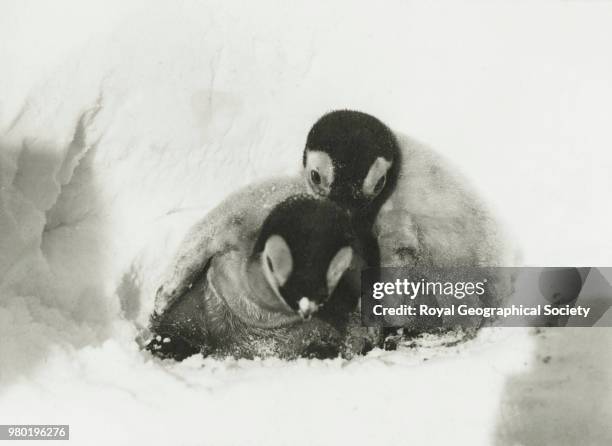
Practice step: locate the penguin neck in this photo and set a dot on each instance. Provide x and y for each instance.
(363, 220)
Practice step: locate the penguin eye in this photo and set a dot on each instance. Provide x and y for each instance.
(380, 184)
(269, 263)
(315, 177)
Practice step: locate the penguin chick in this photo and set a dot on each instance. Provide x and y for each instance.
(353, 159)
(417, 209)
(248, 279)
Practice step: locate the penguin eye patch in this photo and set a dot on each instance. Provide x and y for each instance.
(279, 262)
(318, 172)
(339, 264)
(376, 178)
(277, 265)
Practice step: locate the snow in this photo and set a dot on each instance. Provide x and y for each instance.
(121, 123)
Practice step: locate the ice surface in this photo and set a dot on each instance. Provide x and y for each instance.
(121, 124)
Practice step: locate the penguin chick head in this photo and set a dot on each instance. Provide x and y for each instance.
(304, 247)
(352, 158)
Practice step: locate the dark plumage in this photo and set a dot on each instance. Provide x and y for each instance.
(354, 140)
(315, 230)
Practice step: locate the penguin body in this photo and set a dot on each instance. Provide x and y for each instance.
(265, 273)
(434, 218)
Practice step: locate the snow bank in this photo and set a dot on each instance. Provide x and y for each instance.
(121, 124)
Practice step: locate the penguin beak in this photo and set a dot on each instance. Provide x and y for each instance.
(307, 308)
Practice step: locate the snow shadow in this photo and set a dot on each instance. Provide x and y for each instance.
(53, 242)
(564, 397)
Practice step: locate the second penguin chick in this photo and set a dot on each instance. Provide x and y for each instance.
(419, 208)
(256, 277)
(419, 212)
